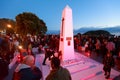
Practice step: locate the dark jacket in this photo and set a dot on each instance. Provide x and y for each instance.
(3, 68)
(108, 63)
(25, 72)
(59, 74)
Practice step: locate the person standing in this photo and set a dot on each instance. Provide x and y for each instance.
(4, 70)
(97, 46)
(108, 63)
(27, 70)
(47, 53)
(58, 72)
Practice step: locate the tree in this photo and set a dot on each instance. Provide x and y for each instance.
(4, 22)
(29, 23)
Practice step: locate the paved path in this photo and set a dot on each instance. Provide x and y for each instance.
(82, 68)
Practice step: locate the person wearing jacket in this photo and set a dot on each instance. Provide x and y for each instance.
(58, 72)
(108, 63)
(27, 70)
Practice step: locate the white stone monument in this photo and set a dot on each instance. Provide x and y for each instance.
(66, 35)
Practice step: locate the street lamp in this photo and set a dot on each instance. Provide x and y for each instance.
(9, 26)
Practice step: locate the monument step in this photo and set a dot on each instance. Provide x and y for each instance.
(86, 72)
(84, 69)
(94, 75)
(79, 67)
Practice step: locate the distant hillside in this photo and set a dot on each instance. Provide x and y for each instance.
(85, 29)
(109, 29)
(53, 32)
(113, 29)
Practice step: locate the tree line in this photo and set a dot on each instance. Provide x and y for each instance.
(24, 23)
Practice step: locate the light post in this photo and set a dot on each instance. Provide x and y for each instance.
(9, 26)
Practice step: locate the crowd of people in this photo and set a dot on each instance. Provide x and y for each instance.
(49, 45)
(106, 46)
(98, 44)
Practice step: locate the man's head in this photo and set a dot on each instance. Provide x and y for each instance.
(55, 63)
(29, 60)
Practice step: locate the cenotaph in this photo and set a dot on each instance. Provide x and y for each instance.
(66, 35)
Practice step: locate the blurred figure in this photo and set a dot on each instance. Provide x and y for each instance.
(110, 46)
(3, 68)
(97, 47)
(108, 63)
(58, 72)
(47, 55)
(27, 70)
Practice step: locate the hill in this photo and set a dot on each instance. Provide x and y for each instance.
(97, 33)
(115, 29)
